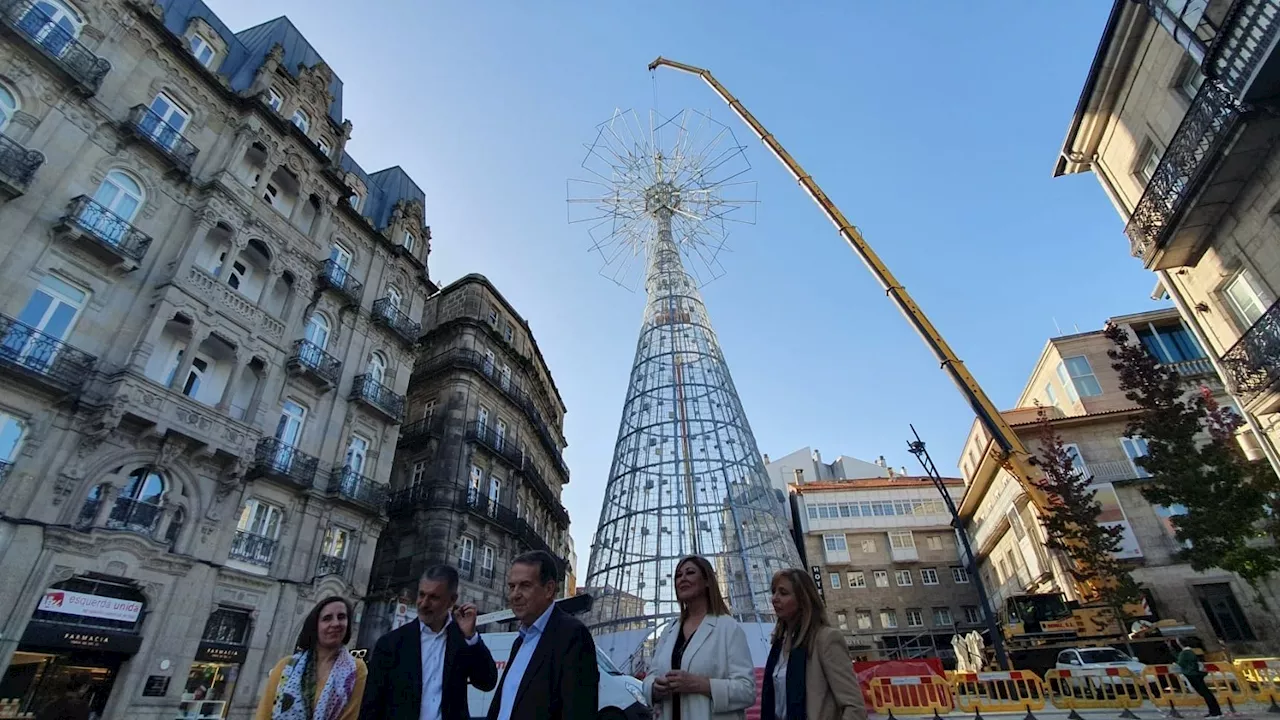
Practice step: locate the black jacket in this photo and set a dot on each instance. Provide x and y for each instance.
(797, 666)
(562, 681)
(393, 690)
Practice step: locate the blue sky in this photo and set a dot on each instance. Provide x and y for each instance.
(933, 125)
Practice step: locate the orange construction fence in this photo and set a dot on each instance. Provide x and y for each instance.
(914, 695)
(1079, 689)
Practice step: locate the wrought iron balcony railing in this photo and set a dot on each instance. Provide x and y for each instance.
(333, 276)
(1253, 363)
(472, 360)
(424, 496)
(388, 313)
(500, 445)
(365, 389)
(56, 42)
(275, 459)
(17, 164)
(1239, 47)
(348, 484)
(330, 565)
(308, 359)
(534, 477)
(254, 549)
(129, 514)
(50, 360)
(418, 431)
(150, 126)
(108, 229)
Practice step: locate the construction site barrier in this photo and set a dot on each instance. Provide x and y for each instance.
(1262, 678)
(998, 691)
(914, 695)
(1225, 684)
(1091, 688)
(1168, 686)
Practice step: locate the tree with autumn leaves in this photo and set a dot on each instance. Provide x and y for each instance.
(1232, 504)
(1071, 524)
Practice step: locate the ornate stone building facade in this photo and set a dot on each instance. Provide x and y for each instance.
(479, 468)
(205, 338)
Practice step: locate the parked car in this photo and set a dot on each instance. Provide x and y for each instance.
(621, 696)
(1097, 658)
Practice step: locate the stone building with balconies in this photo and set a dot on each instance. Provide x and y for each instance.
(480, 466)
(1177, 121)
(1075, 386)
(207, 334)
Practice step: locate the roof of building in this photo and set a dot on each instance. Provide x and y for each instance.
(246, 51)
(1091, 80)
(897, 482)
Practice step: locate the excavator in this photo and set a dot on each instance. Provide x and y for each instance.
(1029, 623)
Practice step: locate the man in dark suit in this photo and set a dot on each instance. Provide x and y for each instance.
(420, 671)
(552, 672)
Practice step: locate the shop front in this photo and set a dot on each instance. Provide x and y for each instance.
(211, 682)
(84, 627)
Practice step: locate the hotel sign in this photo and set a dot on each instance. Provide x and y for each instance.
(84, 605)
(817, 579)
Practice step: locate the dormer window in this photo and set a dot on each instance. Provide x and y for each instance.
(356, 200)
(324, 147)
(274, 99)
(201, 49)
(301, 120)
(408, 241)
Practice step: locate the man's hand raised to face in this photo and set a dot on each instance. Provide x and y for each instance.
(465, 616)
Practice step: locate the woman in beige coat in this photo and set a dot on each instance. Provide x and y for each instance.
(809, 675)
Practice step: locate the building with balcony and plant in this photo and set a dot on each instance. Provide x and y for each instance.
(1177, 122)
(880, 547)
(479, 467)
(1079, 393)
(207, 337)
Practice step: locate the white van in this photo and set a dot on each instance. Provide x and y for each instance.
(621, 696)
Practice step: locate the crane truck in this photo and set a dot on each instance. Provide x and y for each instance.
(1031, 624)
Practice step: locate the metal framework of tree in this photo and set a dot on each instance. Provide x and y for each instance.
(687, 477)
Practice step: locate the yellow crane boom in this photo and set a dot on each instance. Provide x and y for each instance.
(1014, 454)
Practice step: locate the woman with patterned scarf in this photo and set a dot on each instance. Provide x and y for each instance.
(322, 680)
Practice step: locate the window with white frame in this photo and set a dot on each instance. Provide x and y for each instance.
(935, 542)
(260, 519)
(429, 408)
(868, 545)
(504, 376)
(857, 579)
(482, 417)
(11, 431)
(8, 106)
(901, 540)
(357, 452)
(959, 575)
(971, 614)
(889, 618)
(1050, 397)
(835, 543)
(325, 148)
(356, 200)
(466, 554)
(493, 318)
(1148, 161)
(419, 473)
(1134, 448)
(508, 332)
(1015, 522)
(408, 241)
(929, 576)
(1077, 377)
(486, 562)
(1245, 297)
(915, 618)
(835, 581)
(336, 541)
(274, 99)
(942, 617)
(1189, 79)
(301, 120)
(842, 620)
(201, 49)
(1078, 465)
(475, 479)
(864, 619)
(903, 577)
(881, 578)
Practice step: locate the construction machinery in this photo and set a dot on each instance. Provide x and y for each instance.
(1009, 449)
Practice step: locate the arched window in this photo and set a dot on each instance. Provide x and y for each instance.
(8, 106)
(377, 368)
(393, 296)
(120, 194)
(53, 24)
(301, 120)
(318, 330)
(138, 504)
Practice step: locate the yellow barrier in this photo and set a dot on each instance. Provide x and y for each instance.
(1261, 677)
(915, 695)
(1225, 684)
(1002, 691)
(1081, 689)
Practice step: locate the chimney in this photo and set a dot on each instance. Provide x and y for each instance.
(903, 471)
(891, 472)
(817, 457)
(880, 461)
(799, 476)
(766, 458)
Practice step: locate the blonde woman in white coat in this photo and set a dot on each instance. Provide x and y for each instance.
(701, 669)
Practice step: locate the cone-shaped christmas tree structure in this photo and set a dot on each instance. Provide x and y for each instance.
(687, 477)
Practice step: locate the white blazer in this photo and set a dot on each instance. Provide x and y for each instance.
(719, 651)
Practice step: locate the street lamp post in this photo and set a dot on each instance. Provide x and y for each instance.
(917, 448)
